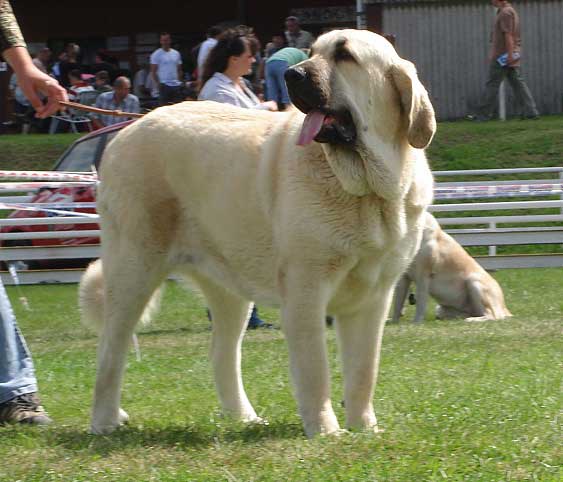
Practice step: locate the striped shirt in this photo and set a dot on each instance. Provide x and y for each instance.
(107, 101)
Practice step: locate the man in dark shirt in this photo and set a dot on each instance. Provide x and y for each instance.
(504, 58)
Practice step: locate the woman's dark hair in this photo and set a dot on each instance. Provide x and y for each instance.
(230, 43)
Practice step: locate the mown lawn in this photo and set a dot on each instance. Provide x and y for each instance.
(458, 401)
(457, 145)
(33, 151)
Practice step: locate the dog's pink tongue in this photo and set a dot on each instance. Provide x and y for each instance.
(311, 127)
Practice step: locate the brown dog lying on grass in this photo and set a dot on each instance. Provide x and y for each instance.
(444, 270)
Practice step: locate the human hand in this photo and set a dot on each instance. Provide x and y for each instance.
(271, 105)
(33, 82)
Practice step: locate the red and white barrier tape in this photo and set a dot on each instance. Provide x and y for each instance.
(60, 209)
(49, 175)
(29, 186)
(494, 191)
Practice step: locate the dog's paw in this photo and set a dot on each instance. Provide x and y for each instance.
(98, 428)
(123, 417)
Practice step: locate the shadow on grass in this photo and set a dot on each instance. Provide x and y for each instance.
(171, 436)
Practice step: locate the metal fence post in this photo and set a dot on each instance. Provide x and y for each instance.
(502, 101)
(492, 249)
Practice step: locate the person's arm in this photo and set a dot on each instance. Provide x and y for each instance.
(509, 42)
(223, 96)
(135, 106)
(154, 75)
(30, 79)
(180, 72)
(10, 34)
(100, 105)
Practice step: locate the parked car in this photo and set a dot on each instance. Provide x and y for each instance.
(79, 157)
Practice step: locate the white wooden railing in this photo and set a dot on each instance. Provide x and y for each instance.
(486, 230)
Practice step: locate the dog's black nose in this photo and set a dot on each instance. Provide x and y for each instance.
(295, 74)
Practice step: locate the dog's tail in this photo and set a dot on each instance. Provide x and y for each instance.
(91, 299)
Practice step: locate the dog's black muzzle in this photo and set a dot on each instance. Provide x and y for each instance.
(303, 93)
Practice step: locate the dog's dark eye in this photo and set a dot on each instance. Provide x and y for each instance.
(342, 54)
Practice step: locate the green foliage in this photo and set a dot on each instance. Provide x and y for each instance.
(457, 400)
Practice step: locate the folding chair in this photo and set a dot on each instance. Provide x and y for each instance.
(75, 116)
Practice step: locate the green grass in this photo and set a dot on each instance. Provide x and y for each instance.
(458, 401)
(33, 151)
(497, 145)
(457, 145)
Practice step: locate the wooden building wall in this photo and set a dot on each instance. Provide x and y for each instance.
(449, 42)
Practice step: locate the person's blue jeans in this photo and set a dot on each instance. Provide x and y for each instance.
(275, 81)
(17, 375)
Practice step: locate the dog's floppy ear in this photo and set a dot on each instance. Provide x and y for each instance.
(415, 103)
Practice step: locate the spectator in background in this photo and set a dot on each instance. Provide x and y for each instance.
(144, 87)
(295, 37)
(120, 98)
(56, 70)
(166, 71)
(506, 42)
(103, 62)
(277, 43)
(77, 85)
(226, 64)
(212, 35)
(276, 65)
(102, 82)
(69, 63)
(22, 106)
(41, 61)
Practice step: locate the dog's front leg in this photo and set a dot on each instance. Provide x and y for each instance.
(401, 292)
(359, 339)
(303, 321)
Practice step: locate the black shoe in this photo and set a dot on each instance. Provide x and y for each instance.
(24, 409)
(530, 117)
(262, 324)
(477, 118)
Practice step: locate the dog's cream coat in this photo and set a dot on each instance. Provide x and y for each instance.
(224, 196)
(444, 270)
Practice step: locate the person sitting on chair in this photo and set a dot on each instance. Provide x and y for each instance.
(77, 85)
(119, 98)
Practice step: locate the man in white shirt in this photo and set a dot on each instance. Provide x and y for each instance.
(166, 71)
(206, 47)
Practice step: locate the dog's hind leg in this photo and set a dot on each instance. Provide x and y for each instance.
(401, 292)
(359, 340)
(130, 279)
(475, 297)
(230, 315)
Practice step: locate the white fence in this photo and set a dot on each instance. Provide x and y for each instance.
(460, 219)
(512, 228)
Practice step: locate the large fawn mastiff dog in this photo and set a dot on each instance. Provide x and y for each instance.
(444, 270)
(312, 211)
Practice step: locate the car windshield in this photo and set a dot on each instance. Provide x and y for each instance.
(81, 157)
